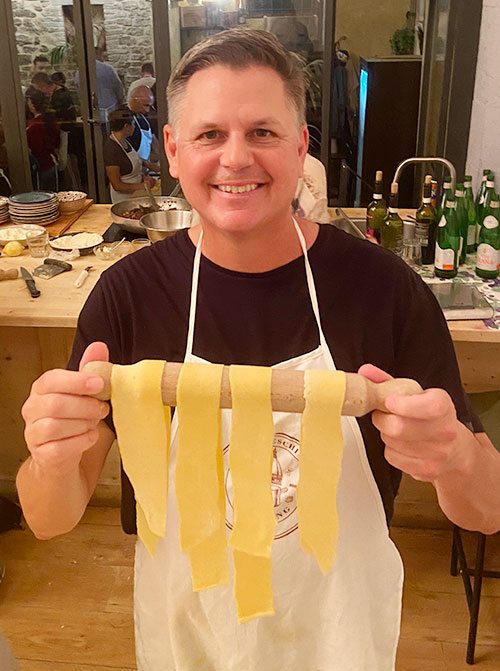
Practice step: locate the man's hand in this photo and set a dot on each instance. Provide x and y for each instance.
(68, 442)
(421, 432)
(424, 438)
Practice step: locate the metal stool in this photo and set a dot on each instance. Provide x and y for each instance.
(472, 588)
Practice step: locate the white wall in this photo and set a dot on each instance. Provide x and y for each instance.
(484, 138)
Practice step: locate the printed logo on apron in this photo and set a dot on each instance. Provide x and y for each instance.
(284, 481)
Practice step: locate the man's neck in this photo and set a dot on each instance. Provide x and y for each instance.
(255, 252)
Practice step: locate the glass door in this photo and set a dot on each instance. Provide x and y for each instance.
(298, 24)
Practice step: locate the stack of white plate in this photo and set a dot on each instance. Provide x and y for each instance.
(34, 207)
(4, 209)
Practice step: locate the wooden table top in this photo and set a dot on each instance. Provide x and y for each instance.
(60, 302)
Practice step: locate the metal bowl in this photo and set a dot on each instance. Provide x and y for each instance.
(161, 225)
(133, 225)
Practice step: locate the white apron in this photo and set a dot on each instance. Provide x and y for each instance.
(348, 620)
(133, 177)
(144, 149)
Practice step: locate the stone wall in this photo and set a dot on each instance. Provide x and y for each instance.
(128, 30)
(484, 137)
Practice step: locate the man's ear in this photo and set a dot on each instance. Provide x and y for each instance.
(303, 146)
(170, 145)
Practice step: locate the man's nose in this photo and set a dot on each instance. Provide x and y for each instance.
(236, 153)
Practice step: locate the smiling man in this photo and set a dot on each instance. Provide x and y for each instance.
(251, 285)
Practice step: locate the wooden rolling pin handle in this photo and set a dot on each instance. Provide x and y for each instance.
(361, 395)
(10, 274)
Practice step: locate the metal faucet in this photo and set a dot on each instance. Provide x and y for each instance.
(430, 159)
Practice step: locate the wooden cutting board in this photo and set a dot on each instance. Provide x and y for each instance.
(63, 223)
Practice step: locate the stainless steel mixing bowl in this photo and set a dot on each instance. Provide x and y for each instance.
(160, 225)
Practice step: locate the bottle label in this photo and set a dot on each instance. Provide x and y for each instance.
(468, 185)
(490, 185)
(459, 194)
(444, 258)
(471, 235)
(377, 196)
(488, 258)
(442, 222)
(451, 204)
(426, 201)
(490, 222)
(422, 232)
(393, 210)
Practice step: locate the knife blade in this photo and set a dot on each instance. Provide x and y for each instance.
(30, 282)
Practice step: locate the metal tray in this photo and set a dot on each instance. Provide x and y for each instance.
(133, 225)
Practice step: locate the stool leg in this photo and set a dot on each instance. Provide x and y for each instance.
(476, 596)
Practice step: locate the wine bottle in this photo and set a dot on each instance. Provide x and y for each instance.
(470, 207)
(426, 223)
(463, 222)
(376, 211)
(480, 201)
(392, 229)
(447, 241)
(488, 249)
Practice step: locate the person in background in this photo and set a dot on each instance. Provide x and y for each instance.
(110, 91)
(147, 78)
(40, 64)
(61, 99)
(124, 166)
(42, 82)
(143, 139)
(43, 141)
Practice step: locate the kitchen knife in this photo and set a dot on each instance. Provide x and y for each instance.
(30, 282)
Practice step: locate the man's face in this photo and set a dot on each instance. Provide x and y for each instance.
(141, 102)
(237, 150)
(40, 66)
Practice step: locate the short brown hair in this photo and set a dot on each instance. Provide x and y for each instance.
(240, 48)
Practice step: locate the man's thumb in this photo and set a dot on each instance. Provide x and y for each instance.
(96, 351)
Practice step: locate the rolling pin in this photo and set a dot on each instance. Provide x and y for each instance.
(287, 389)
(10, 274)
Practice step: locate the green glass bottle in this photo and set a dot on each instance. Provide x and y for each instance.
(482, 187)
(392, 229)
(470, 207)
(487, 188)
(463, 222)
(376, 211)
(447, 241)
(488, 249)
(426, 223)
(444, 197)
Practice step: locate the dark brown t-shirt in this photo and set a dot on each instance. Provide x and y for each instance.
(374, 309)
(113, 154)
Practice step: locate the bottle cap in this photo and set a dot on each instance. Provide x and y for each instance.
(379, 176)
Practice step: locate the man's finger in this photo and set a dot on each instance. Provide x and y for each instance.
(373, 373)
(430, 404)
(67, 382)
(96, 351)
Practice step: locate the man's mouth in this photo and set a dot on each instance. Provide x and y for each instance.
(243, 188)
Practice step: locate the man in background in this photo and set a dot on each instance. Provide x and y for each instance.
(147, 78)
(110, 91)
(143, 140)
(40, 64)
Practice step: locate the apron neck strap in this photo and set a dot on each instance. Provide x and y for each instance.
(194, 293)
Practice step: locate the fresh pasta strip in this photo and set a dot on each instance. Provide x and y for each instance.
(252, 586)
(250, 460)
(143, 431)
(198, 482)
(149, 539)
(321, 446)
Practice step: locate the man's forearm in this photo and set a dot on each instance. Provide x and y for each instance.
(469, 495)
(53, 503)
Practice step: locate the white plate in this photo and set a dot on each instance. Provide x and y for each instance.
(22, 229)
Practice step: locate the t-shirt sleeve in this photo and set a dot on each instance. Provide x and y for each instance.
(424, 350)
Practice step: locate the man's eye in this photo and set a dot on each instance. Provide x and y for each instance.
(210, 135)
(263, 132)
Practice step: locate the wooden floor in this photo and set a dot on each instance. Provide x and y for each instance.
(65, 604)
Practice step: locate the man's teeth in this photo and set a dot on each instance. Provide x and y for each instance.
(237, 189)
